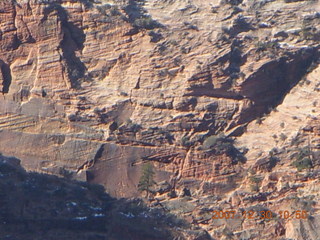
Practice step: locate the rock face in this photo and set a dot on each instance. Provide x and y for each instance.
(221, 96)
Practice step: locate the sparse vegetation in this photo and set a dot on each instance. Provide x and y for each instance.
(296, 140)
(145, 22)
(309, 33)
(255, 179)
(308, 203)
(134, 127)
(168, 136)
(115, 11)
(227, 233)
(108, 10)
(155, 36)
(185, 142)
(259, 120)
(303, 159)
(263, 46)
(255, 183)
(65, 173)
(283, 137)
(220, 144)
(290, 1)
(315, 103)
(241, 23)
(211, 141)
(272, 109)
(273, 159)
(313, 66)
(231, 2)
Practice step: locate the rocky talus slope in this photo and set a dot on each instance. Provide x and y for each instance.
(221, 96)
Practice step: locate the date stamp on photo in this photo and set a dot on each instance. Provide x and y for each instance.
(259, 215)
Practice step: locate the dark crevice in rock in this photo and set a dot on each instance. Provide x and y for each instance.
(6, 76)
(214, 94)
(265, 89)
(202, 83)
(268, 87)
(236, 60)
(73, 40)
(90, 163)
(101, 74)
(76, 69)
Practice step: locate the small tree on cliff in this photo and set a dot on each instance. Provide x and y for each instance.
(146, 180)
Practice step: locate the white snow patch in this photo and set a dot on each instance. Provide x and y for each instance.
(128, 215)
(81, 218)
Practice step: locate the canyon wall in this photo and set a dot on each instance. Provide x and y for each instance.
(213, 93)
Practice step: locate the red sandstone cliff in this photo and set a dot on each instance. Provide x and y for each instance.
(96, 89)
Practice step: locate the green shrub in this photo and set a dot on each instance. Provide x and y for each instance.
(211, 141)
(134, 127)
(255, 183)
(145, 22)
(303, 159)
(254, 188)
(115, 11)
(65, 173)
(220, 144)
(259, 120)
(296, 140)
(104, 8)
(263, 46)
(283, 137)
(309, 33)
(227, 233)
(305, 163)
(185, 142)
(231, 2)
(273, 162)
(108, 10)
(255, 179)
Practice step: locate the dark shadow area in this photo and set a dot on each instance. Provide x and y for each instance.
(40, 206)
(73, 40)
(268, 87)
(6, 75)
(236, 59)
(240, 24)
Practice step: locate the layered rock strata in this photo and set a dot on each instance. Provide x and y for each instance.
(93, 90)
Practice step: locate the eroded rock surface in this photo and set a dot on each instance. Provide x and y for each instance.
(222, 96)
